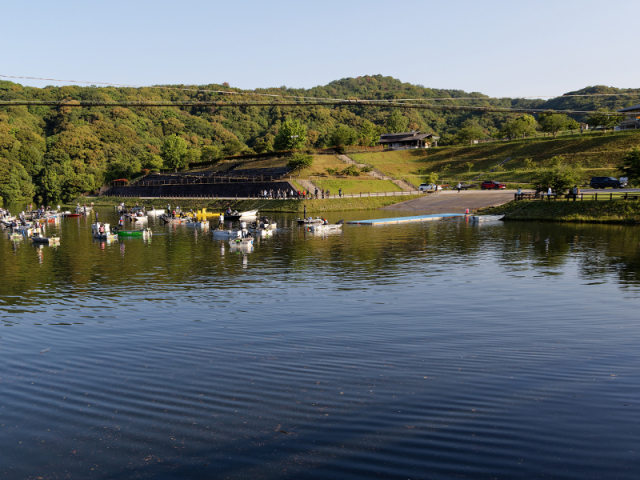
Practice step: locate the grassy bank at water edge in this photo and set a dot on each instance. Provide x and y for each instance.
(284, 206)
(616, 211)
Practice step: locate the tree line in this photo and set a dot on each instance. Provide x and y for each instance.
(52, 154)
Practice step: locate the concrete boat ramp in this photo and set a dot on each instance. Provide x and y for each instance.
(397, 220)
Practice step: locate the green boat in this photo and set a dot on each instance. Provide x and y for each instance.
(134, 233)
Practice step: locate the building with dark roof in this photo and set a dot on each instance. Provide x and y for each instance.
(408, 140)
(632, 120)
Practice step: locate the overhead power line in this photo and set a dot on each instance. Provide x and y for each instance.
(339, 103)
(231, 92)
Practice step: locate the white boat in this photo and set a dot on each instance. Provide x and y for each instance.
(200, 225)
(249, 214)
(155, 212)
(325, 228)
(309, 221)
(241, 241)
(104, 233)
(47, 240)
(139, 219)
(485, 218)
(261, 232)
(226, 234)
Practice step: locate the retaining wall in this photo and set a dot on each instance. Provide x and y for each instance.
(198, 190)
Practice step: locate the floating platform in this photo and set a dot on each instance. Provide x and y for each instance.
(396, 220)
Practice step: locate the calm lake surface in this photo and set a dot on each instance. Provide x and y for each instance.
(436, 350)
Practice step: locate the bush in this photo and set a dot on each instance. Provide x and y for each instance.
(366, 169)
(352, 171)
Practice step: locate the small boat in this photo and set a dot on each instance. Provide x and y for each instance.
(46, 240)
(201, 225)
(261, 232)
(104, 233)
(155, 212)
(485, 218)
(325, 228)
(145, 232)
(224, 234)
(72, 215)
(309, 221)
(139, 219)
(238, 215)
(204, 215)
(243, 244)
(175, 220)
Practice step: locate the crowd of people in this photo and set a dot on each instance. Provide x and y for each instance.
(285, 194)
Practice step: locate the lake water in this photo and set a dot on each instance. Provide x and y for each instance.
(436, 350)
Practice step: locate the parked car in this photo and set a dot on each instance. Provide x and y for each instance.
(425, 187)
(492, 185)
(604, 182)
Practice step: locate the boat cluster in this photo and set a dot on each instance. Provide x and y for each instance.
(30, 224)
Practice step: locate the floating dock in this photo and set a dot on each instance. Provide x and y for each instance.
(396, 220)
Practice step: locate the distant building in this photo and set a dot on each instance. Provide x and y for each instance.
(409, 140)
(632, 120)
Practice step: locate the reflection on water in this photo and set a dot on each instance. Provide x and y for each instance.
(412, 351)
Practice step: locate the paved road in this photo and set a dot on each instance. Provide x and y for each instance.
(450, 201)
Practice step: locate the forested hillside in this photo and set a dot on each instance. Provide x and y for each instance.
(57, 153)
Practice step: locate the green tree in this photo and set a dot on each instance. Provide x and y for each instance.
(469, 132)
(292, 135)
(469, 166)
(559, 177)
(553, 122)
(233, 147)
(601, 119)
(174, 151)
(631, 164)
(520, 127)
(397, 123)
(15, 182)
(368, 134)
(151, 161)
(300, 161)
(211, 153)
(344, 135)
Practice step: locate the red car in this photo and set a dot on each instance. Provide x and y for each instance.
(492, 184)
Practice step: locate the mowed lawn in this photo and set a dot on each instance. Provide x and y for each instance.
(355, 186)
(320, 165)
(590, 151)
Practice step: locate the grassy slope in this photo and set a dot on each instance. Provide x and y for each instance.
(292, 206)
(616, 211)
(356, 185)
(594, 154)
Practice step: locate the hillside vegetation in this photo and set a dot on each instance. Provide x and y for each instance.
(590, 154)
(57, 153)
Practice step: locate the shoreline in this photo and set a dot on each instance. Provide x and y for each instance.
(588, 211)
(272, 206)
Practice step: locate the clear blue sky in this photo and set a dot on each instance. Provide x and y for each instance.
(500, 48)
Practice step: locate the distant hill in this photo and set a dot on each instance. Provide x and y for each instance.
(51, 154)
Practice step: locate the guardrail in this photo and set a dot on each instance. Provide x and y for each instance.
(578, 197)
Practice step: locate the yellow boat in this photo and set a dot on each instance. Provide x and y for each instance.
(204, 215)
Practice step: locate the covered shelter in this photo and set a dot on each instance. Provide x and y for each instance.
(408, 140)
(632, 119)
(120, 182)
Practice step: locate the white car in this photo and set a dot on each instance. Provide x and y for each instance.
(428, 186)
